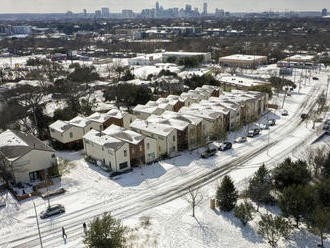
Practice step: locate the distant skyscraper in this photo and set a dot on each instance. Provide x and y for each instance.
(157, 6)
(188, 8)
(205, 9)
(98, 14)
(219, 13)
(127, 13)
(85, 12)
(105, 13)
(324, 12)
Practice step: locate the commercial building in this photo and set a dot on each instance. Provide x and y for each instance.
(206, 57)
(241, 82)
(243, 61)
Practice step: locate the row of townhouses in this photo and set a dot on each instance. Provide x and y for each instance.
(118, 140)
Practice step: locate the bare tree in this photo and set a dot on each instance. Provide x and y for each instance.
(194, 197)
(316, 158)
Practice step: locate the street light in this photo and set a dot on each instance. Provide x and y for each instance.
(35, 210)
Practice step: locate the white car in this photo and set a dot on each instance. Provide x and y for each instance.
(241, 139)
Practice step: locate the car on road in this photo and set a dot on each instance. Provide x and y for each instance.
(253, 132)
(225, 146)
(271, 122)
(52, 210)
(208, 153)
(315, 78)
(241, 139)
(304, 116)
(285, 112)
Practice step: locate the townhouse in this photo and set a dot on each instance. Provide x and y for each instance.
(165, 136)
(186, 133)
(142, 149)
(110, 153)
(25, 159)
(120, 118)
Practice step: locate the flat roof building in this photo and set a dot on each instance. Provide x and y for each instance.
(243, 61)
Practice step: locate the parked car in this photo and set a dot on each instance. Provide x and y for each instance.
(241, 139)
(315, 78)
(225, 146)
(52, 210)
(304, 116)
(253, 132)
(271, 122)
(208, 153)
(285, 112)
(264, 126)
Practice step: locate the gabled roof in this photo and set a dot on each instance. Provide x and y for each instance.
(103, 140)
(150, 127)
(124, 134)
(60, 126)
(14, 144)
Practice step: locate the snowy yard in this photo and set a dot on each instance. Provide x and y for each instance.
(154, 191)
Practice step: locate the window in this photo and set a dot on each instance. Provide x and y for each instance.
(173, 138)
(52, 130)
(133, 150)
(71, 135)
(102, 148)
(141, 149)
(101, 127)
(123, 165)
(53, 155)
(125, 153)
(86, 141)
(148, 146)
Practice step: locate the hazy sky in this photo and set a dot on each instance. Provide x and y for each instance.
(51, 6)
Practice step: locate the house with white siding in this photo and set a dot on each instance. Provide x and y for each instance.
(120, 118)
(165, 136)
(25, 159)
(108, 152)
(142, 149)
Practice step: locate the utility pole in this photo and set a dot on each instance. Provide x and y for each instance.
(286, 92)
(35, 210)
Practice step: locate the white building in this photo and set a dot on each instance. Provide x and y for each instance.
(24, 158)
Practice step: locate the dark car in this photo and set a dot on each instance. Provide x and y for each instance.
(315, 78)
(52, 210)
(285, 112)
(271, 122)
(253, 132)
(304, 116)
(208, 153)
(225, 146)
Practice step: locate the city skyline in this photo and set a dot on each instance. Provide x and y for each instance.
(61, 6)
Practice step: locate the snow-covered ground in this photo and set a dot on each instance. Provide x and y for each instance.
(156, 191)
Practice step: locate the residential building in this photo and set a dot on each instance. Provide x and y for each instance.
(144, 111)
(142, 149)
(120, 118)
(165, 136)
(108, 152)
(186, 133)
(25, 159)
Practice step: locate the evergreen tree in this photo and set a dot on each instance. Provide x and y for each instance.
(244, 212)
(291, 173)
(274, 228)
(297, 202)
(226, 195)
(325, 170)
(323, 193)
(320, 223)
(105, 232)
(260, 186)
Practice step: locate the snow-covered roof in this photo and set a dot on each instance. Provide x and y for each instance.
(156, 128)
(196, 111)
(146, 109)
(14, 144)
(103, 140)
(99, 117)
(180, 116)
(60, 126)
(243, 57)
(177, 124)
(300, 57)
(116, 113)
(80, 121)
(124, 134)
